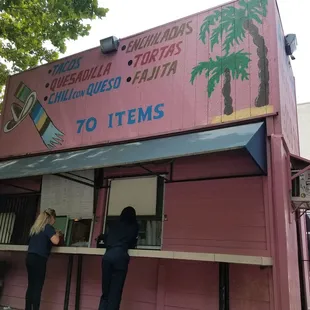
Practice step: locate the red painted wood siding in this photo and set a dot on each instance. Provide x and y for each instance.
(151, 284)
(221, 216)
(250, 288)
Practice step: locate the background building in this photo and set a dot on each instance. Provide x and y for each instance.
(303, 110)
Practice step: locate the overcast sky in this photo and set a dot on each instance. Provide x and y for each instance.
(127, 17)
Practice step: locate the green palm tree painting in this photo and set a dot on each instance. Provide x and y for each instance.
(234, 23)
(233, 65)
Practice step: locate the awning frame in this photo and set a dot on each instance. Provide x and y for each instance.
(305, 165)
(298, 166)
(250, 138)
(62, 175)
(19, 187)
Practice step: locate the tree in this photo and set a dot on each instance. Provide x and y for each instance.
(233, 23)
(234, 66)
(4, 72)
(34, 32)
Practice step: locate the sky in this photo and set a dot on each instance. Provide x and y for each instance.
(126, 18)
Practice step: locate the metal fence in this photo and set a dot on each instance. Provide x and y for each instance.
(17, 214)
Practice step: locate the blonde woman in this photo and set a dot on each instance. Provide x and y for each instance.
(42, 237)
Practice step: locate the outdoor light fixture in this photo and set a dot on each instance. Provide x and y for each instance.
(290, 45)
(109, 45)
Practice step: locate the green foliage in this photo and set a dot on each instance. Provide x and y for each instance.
(254, 9)
(231, 25)
(210, 20)
(237, 63)
(231, 21)
(33, 32)
(4, 72)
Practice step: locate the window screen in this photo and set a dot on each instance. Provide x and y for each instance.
(140, 193)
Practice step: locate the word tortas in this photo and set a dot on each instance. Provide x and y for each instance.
(157, 54)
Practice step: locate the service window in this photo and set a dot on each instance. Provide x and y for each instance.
(18, 213)
(146, 195)
(77, 232)
(61, 224)
(80, 233)
(73, 202)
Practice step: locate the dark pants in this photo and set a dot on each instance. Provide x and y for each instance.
(114, 271)
(36, 268)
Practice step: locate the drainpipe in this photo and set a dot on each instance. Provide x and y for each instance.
(224, 286)
(78, 282)
(68, 283)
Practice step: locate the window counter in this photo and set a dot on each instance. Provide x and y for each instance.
(207, 257)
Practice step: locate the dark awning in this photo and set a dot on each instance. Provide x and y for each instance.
(299, 163)
(250, 137)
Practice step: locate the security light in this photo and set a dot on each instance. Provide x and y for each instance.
(109, 45)
(290, 45)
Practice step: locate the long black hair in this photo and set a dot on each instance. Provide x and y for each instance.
(128, 215)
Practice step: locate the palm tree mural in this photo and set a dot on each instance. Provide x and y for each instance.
(234, 23)
(232, 66)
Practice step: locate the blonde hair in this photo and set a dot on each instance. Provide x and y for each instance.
(41, 221)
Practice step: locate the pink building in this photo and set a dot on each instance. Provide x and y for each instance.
(194, 124)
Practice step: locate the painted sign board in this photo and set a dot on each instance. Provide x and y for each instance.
(205, 69)
(287, 123)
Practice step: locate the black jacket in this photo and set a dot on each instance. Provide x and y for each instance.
(122, 235)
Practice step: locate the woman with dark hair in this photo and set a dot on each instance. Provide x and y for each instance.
(120, 237)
